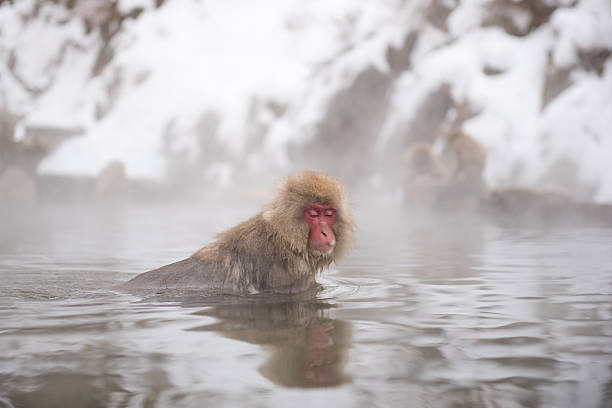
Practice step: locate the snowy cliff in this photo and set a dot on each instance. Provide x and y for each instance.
(219, 92)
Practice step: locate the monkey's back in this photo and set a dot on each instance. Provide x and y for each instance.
(190, 273)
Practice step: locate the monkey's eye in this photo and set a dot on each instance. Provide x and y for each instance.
(312, 213)
(329, 213)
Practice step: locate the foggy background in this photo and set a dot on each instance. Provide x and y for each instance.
(133, 131)
(163, 98)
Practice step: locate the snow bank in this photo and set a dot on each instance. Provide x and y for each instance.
(526, 139)
(177, 62)
(266, 70)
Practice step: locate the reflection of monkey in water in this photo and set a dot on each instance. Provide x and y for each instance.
(306, 228)
(307, 348)
(316, 360)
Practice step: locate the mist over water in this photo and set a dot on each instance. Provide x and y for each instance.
(440, 310)
(133, 131)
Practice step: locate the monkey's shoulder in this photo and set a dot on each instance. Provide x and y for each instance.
(252, 240)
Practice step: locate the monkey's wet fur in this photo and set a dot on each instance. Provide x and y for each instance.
(302, 231)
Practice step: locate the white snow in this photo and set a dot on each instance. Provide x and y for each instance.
(522, 140)
(187, 58)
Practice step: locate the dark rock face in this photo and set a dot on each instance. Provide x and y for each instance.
(399, 59)
(518, 17)
(352, 123)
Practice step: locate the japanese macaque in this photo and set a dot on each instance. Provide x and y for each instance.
(424, 176)
(303, 230)
(464, 158)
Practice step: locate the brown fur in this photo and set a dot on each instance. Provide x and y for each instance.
(421, 160)
(269, 252)
(465, 159)
(424, 176)
(464, 156)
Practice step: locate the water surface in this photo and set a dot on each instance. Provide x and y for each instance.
(472, 314)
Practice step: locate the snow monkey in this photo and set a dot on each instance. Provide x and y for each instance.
(465, 159)
(303, 230)
(424, 176)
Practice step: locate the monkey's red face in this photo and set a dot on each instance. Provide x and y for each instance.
(320, 219)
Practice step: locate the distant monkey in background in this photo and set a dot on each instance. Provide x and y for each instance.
(424, 176)
(464, 158)
(452, 181)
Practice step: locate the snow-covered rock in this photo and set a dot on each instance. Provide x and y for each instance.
(222, 91)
